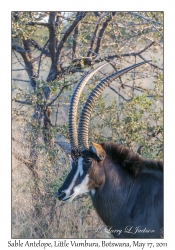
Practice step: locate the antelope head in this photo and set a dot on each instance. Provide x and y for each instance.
(87, 172)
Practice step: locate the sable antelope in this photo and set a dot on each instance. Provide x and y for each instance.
(126, 190)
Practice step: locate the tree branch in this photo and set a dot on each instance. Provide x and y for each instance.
(26, 43)
(127, 100)
(18, 48)
(145, 18)
(19, 80)
(88, 61)
(155, 66)
(138, 52)
(56, 68)
(23, 102)
(67, 34)
(28, 64)
(61, 90)
(105, 24)
(18, 59)
(18, 69)
(102, 16)
(37, 46)
(41, 57)
(38, 23)
(52, 36)
(93, 41)
(141, 51)
(75, 36)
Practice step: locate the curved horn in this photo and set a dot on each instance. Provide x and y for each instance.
(87, 109)
(72, 128)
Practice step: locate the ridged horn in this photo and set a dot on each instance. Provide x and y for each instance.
(88, 106)
(72, 128)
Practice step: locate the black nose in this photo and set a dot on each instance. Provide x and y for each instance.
(61, 194)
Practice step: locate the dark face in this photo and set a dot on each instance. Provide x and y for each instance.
(85, 175)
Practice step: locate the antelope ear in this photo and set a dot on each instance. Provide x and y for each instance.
(98, 150)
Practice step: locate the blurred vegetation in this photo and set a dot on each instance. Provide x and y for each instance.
(47, 62)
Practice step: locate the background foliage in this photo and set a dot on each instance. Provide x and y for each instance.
(50, 52)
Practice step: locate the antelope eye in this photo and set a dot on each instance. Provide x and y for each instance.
(87, 160)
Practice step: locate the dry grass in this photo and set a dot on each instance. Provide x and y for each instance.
(72, 220)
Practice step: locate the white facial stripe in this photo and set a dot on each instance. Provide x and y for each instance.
(79, 171)
(71, 161)
(68, 190)
(82, 187)
(80, 165)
